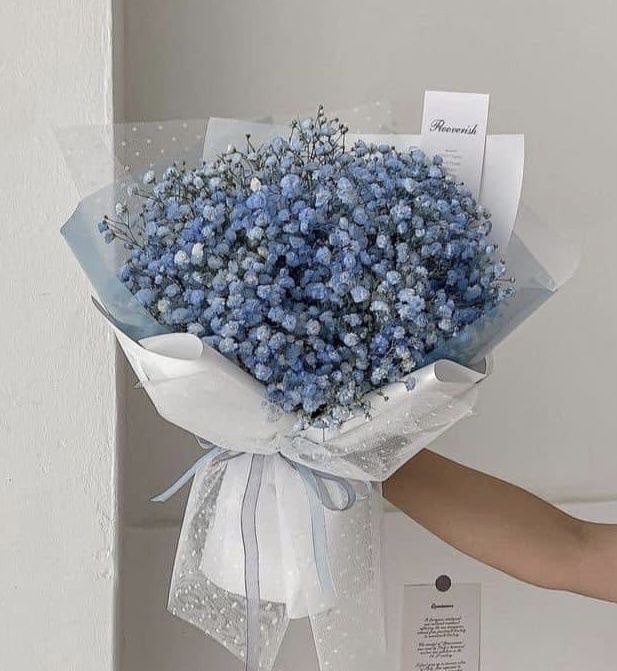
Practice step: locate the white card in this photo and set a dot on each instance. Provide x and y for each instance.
(502, 182)
(454, 126)
(441, 630)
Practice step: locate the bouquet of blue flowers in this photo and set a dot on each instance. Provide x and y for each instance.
(315, 307)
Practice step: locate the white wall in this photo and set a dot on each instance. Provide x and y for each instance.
(57, 409)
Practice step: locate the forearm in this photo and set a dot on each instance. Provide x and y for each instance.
(506, 527)
(597, 571)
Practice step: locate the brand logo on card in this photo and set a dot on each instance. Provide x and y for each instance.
(441, 126)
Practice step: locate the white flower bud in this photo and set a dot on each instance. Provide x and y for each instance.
(197, 252)
(255, 184)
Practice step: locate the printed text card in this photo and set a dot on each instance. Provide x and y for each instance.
(441, 630)
(454, 126)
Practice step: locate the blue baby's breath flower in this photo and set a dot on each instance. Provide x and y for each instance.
(290, 186)
(323, 255)
(145, 296)
(393, 277)
(263, 372)
(163, 305)
(313, 327)
(197, 296)
(181, 258)
(359, 294)
(227, 345)
(323, 271)
(289, 322)
(379, 306)
(180, 316)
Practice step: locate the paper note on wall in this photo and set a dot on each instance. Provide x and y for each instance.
(441, 629)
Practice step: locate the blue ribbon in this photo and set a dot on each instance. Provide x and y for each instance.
(202, 462)
(316, 481)
(319, 497)
(248, 526)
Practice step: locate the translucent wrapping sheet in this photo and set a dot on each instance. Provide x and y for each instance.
(206, 590)
(194, 597)
(312, 560)
(126, 150)
(351, 636)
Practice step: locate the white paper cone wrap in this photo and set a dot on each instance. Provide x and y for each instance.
(199, 390)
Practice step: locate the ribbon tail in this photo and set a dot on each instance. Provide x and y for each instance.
(185, 477)
(248, 523)
(208, 587)
(318, 530)
(319, 499)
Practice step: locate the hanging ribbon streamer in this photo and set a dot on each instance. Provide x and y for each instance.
(319, 497)
(214, 456)
(248, 524)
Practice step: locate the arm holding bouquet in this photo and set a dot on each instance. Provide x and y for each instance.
(507, 527)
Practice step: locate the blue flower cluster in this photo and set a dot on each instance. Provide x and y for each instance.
(324, 271)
